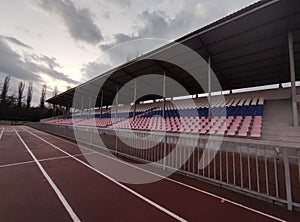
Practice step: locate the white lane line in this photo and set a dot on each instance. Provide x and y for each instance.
(196, 189)
(170, 213)
(16, 164)
(50, 181)
(65, 157)
(174, 181)
(1, 132)
(42, 160)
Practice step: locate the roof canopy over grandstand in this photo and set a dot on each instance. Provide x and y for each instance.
(248, 48)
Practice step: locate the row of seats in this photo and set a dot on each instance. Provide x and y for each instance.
(236, 117)
(231, 126)
(252, 110)
(118, 115)
(99, 122)
(125, 108)
(183, 104)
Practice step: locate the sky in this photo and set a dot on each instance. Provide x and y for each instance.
(66, 42)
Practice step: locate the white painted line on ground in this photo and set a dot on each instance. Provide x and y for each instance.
(50, 181)
(16, 164)
(1, 132)
(175, 181)
(196, 189)
(43, 160)
(170, 213)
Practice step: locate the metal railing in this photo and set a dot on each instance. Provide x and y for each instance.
(262, 169)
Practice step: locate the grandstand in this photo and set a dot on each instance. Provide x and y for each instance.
(260, 154)
(243, 117)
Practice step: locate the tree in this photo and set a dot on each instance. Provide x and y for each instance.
(29, 95)
(20, 93)
(43, 95)
(11, 102)
(5, 89)
(55, 92)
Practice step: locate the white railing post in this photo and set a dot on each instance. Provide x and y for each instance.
(287, 180)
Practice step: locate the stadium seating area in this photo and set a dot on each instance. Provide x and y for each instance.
(235, 117)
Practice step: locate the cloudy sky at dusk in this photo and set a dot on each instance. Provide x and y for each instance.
(57, 41)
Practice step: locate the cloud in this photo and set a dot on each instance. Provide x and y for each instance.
(158, 24)
(15, 41)
(26, 67)
(106, 14)
(155, 28)
(126, 48)
(93, 69)
(51, 62)
(11, 64)
(118, 38)
(78, 21)
(41, 69)
(121, 3)
(193, 14)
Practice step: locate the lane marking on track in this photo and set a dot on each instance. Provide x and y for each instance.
(172, 180)
(1, 132)
(16, 164)
(42, 160)
(170, 213)
(50, 181)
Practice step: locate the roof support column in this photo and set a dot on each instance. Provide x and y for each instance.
(68, 110)
(117, 95)
(53, 111)
(101, 103)
(134, 99)
(74, 107)
(209, 87)
(164, 95)
(62, 110)
(90, 104)
(292, 72)
(164, 119)
(82, 105)
(116, 112)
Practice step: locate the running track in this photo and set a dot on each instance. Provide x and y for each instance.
(47, 178)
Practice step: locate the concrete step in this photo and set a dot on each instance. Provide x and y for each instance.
(272, 124)
(281, 133)
(278, 112)
(282, 138)
(275, 129)
(286, 126)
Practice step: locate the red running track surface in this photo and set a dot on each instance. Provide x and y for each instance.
(27, 195)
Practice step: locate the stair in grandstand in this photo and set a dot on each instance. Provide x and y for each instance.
(280, 132)
(278, 122)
